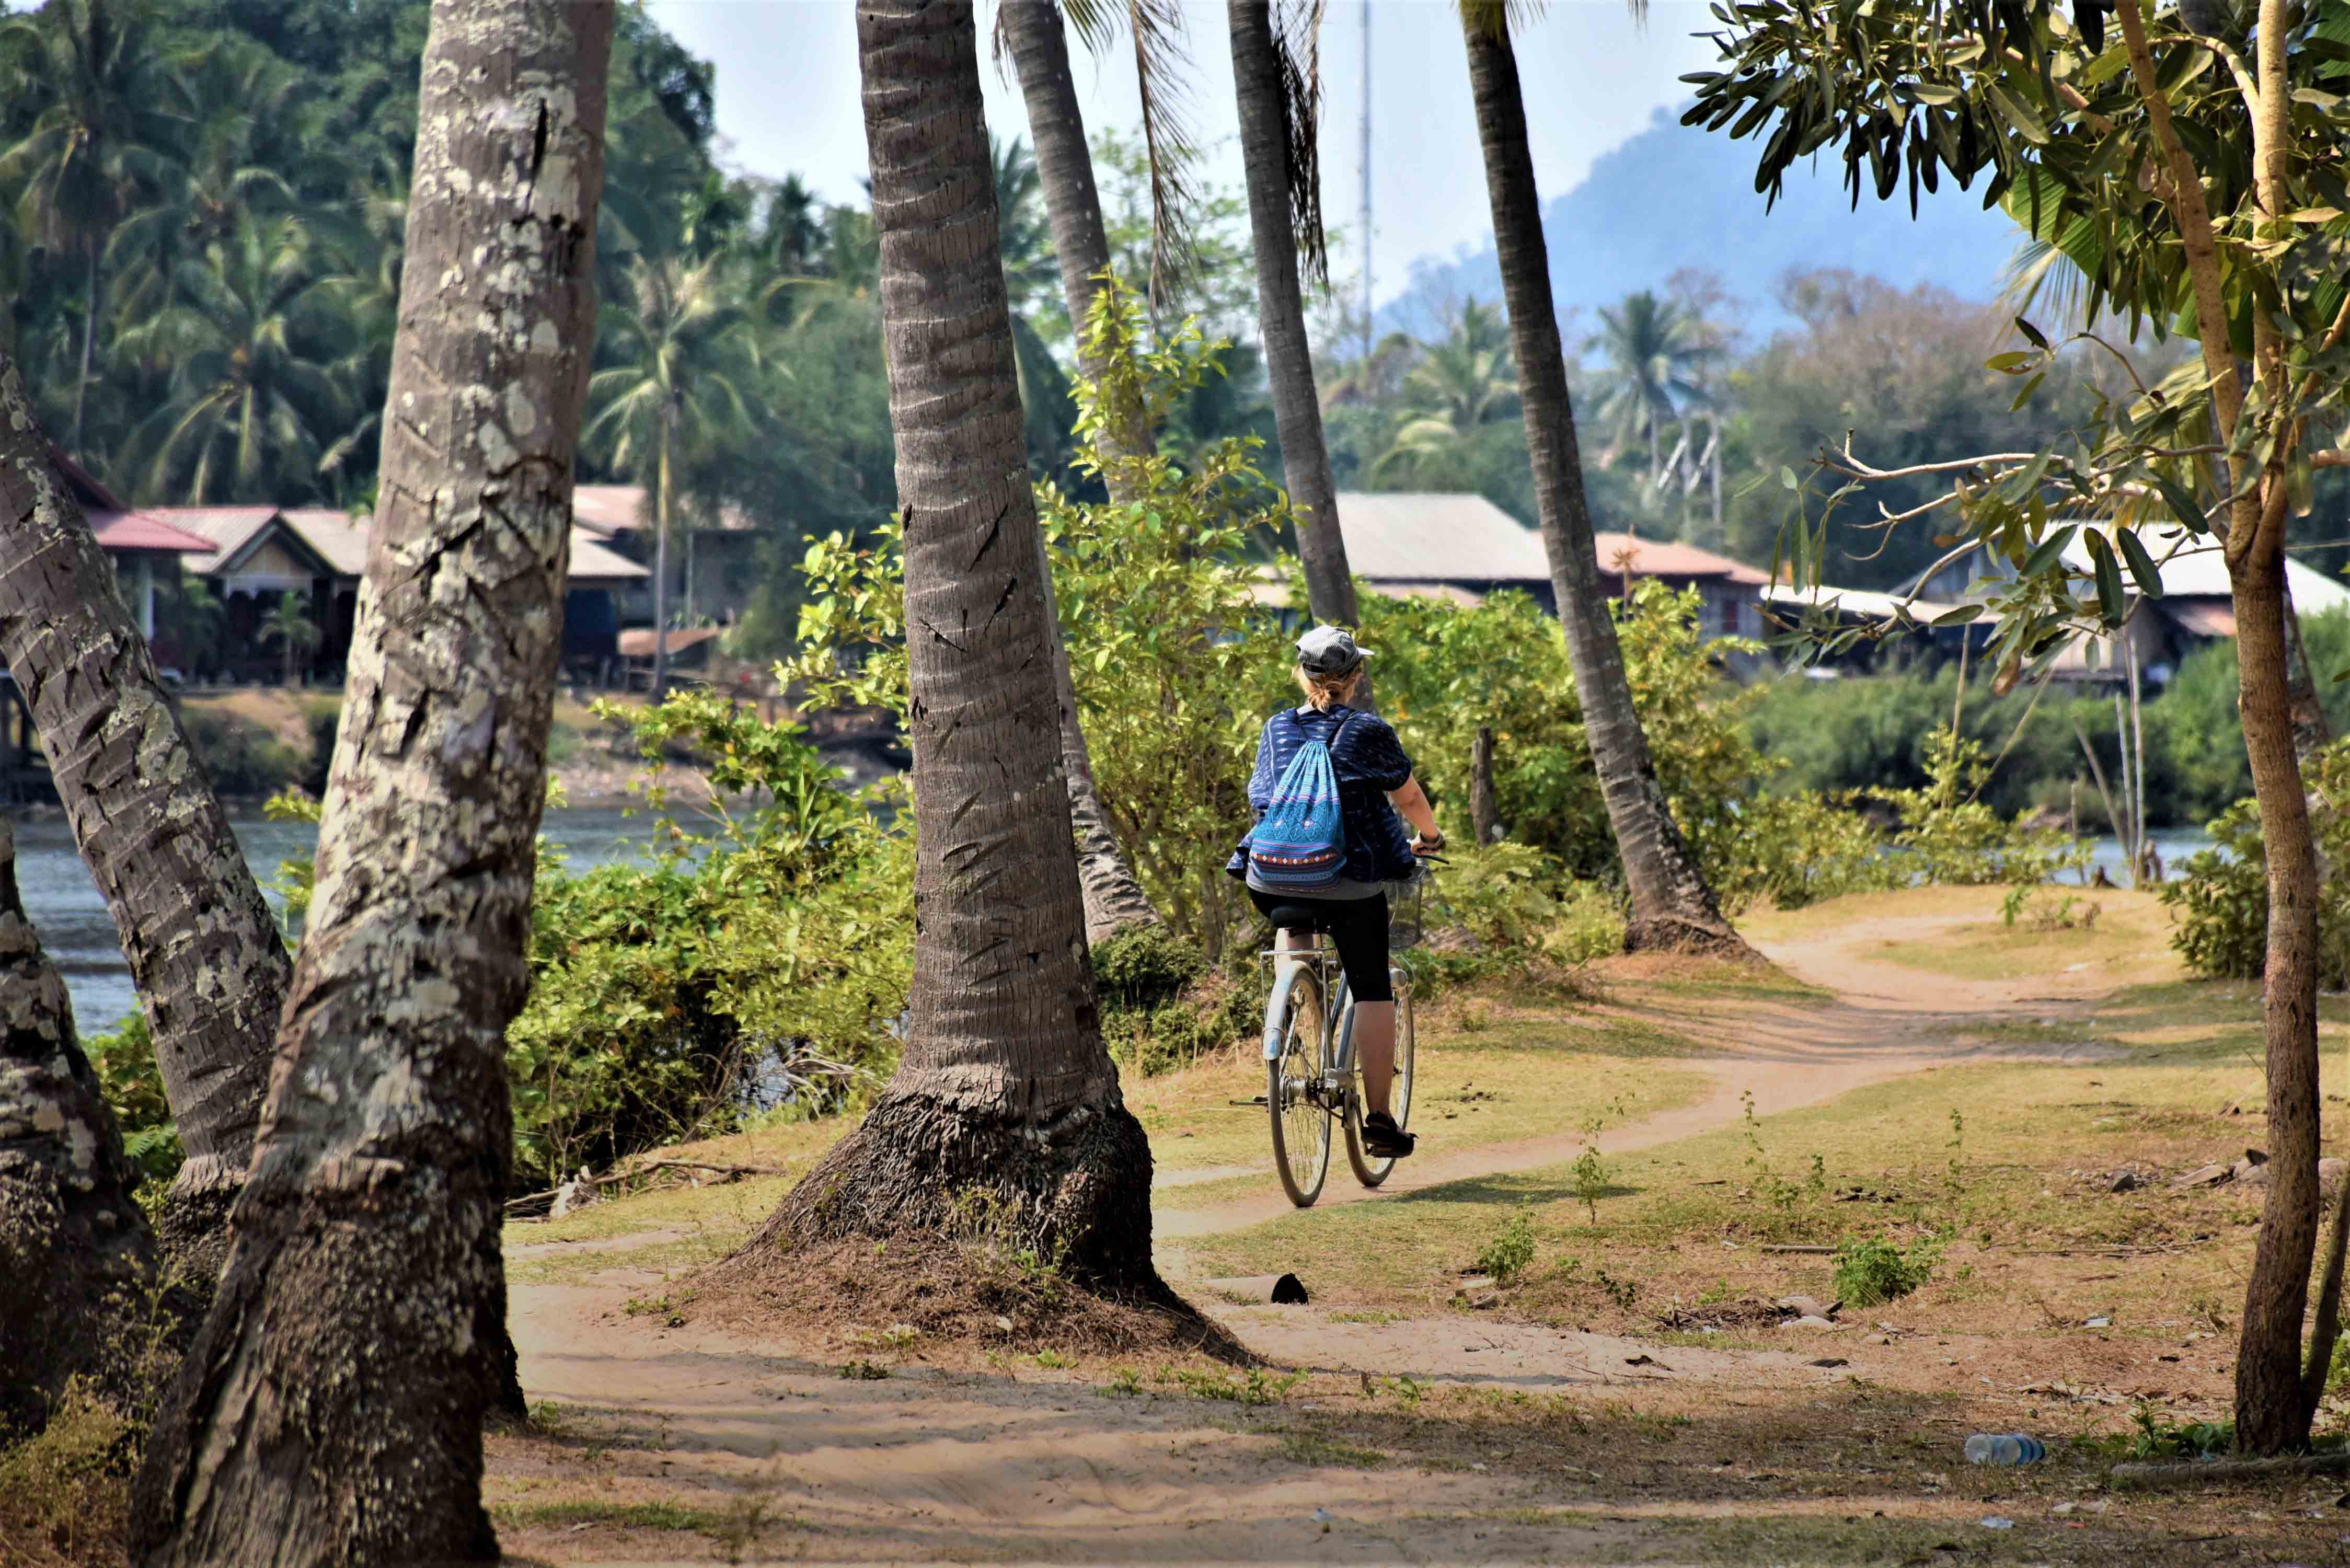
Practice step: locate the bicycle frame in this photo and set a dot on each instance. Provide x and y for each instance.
(1338, 1056)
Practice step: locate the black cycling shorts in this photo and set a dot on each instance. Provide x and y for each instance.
(1357, 927)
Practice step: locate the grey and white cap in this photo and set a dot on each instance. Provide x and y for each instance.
(1330, 651)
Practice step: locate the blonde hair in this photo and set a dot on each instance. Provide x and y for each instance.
(1321, 690)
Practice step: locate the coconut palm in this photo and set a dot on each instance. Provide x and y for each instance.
(1033, 33)
(1279, 88)
(369, 1239)
(1657, 357)
(1671, 904)
(105, 84)
(1004, 1110)
(683, 358)
(1456, 387)
(288, 624)
(263, 370)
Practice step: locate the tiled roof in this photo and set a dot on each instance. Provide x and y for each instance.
(136, 533)
(604, 510)
(1658, 558)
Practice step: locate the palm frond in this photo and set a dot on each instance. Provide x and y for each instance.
(1500, 18)
(1157, 27)
(1298, 53)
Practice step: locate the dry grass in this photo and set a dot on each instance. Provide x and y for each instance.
(65, 1493)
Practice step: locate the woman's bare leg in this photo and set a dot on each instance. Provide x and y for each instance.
(1375, 1049)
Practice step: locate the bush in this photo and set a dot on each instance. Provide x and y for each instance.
(133, 1086)
(240, 759)
(2220, 895)
(1872, 1271)
(1952, 837)
(1508, 907)
(1511, 1250)
(1802, 848)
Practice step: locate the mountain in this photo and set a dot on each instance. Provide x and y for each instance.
(1675, 196)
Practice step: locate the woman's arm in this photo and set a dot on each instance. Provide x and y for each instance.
(1412, 801)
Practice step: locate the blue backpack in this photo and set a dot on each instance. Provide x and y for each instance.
(1301, 845)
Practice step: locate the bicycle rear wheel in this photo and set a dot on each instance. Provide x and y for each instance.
(1292, 1087)
(1370, 1170)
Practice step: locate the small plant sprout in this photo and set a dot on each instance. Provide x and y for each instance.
(1512, 1248)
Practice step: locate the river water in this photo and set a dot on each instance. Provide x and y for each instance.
(72, 918)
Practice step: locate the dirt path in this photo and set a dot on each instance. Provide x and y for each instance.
(779, 1457)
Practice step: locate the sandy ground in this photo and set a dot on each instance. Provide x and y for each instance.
(784, 1458)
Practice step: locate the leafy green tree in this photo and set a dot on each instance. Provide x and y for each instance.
(2194, 187)
(1457, 387)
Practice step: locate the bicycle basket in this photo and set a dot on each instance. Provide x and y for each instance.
(1405, 922)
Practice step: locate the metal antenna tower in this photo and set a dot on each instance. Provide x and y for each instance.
(1366, 224)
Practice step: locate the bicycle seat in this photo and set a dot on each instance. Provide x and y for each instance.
(1295, 918)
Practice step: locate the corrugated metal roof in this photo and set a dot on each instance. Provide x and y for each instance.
(339, 538)
(1861, 602)
(143, 532)
(2195, 568)
(593, 564)
(230, 528)
(1428, 537)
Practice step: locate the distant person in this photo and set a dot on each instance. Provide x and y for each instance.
(1375, 783)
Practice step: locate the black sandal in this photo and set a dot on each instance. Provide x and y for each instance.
(1382, 1137)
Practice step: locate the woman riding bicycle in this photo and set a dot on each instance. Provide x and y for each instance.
(1375, 783)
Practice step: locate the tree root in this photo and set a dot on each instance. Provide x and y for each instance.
(1691, 936)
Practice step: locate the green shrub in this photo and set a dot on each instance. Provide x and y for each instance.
(1802, 848)
(2220, 895)
(239, 758)
(1510, 1250)
(1871, 1270)
(1143, 966)
(133, 1086)
(1950, 837)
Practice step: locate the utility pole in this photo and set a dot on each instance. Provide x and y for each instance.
(1367, 189)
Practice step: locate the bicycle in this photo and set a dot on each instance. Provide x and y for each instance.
(1311, 1077)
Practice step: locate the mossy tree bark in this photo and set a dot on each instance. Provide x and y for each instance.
(1672, 906)
(1005, 1102)
(78, 1261)
(331, 1409)
(1274, 161)
(202, 948)
(1039, 47)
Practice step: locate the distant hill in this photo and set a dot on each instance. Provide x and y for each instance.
(1673, 197)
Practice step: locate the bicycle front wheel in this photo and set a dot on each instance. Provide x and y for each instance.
(1370, 1170)
(1293, 1085)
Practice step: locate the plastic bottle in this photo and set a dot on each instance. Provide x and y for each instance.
(2006, 1448)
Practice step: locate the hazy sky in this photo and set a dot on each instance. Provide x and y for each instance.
(787, 101)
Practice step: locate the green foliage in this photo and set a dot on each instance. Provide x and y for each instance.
(1950, 837)
(240, 758)
(133, 1086)
(1506, 907)
(1871, 1270)
(2219, 897)
(2157, 1439)
(1802, 848)
(762, 956)
(1510, 1250)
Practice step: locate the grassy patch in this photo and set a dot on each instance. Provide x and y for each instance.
(612, 1515)
(2121, 941)
(1314, 1448)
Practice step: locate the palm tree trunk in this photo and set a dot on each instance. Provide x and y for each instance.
(1672, 906)
(77, 1257)
(89, 347)
(203, 946)
(1114, 898)
(365, 1282)
(660, 569)
(1266, 152)
(1005, 1100)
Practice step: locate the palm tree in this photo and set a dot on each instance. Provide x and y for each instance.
(370, 1238)
(1672, 906)
(104, 82)
(203, 946)
(1032, 31)
(81, 1255)
(264, 372)
(1655, 360)
(683, 355)
(1005, 1108)
(1279, 90)
(288, 623)
(1458, 386)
